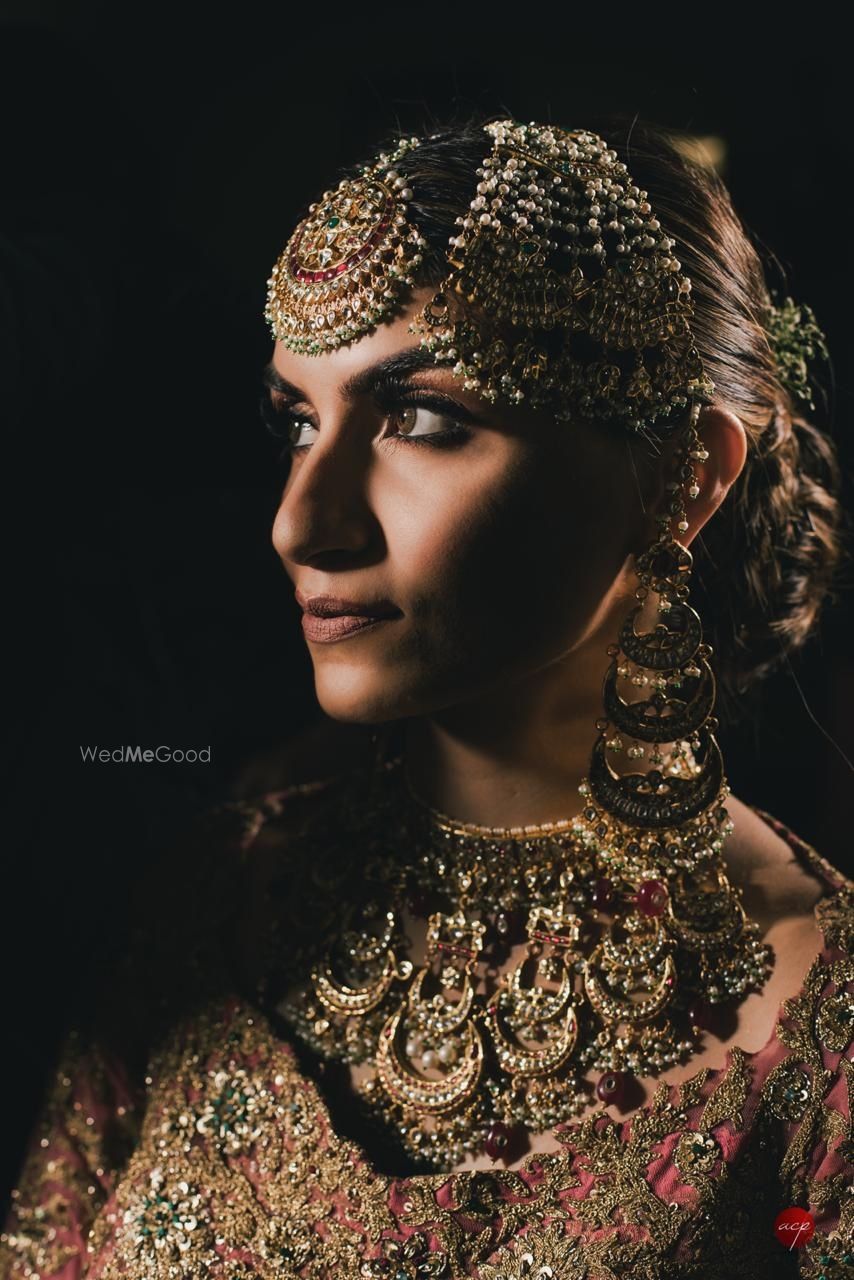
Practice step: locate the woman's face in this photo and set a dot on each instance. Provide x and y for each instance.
(493, 535)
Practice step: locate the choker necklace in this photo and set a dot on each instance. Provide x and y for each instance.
(630, 937)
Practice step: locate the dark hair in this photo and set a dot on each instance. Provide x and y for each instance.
(767, 560)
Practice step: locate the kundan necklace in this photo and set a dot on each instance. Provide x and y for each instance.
(629, 937)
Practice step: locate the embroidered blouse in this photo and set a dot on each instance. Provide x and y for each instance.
(203, 1149)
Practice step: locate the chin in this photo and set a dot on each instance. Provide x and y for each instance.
(357, 696)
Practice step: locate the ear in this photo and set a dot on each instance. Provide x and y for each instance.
(724, 438)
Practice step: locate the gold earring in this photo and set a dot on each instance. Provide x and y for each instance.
(679, 709)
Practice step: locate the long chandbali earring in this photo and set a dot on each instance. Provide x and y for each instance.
(658, 836)
(680, 705)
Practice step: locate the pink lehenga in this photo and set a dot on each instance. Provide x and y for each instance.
(208, 1150)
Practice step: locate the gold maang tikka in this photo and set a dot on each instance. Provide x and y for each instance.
(562, 290)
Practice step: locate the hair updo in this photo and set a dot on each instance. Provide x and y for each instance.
(767, 559)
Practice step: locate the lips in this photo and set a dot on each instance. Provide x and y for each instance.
(336, 606)
(322, 630)
(328, 618)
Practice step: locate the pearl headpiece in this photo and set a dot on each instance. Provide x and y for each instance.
(562, 288)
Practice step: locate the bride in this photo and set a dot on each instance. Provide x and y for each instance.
(513, 985)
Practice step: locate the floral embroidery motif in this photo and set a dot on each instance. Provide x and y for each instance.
(696, 1153)
(234, 1110)
(550, 1255)
(410, 1260)
(166, 1223)
(787, 1090)
(828, 1258)
(835, 1021)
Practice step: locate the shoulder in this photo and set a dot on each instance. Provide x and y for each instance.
(776, 870)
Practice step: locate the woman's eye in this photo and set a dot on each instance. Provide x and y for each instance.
(414, 422)
(296, 426)
(404, 423)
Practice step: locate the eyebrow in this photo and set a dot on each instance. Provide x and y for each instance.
(363, 382)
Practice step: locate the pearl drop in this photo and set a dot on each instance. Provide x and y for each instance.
(430, 1060)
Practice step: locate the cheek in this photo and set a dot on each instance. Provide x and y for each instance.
(510, 555)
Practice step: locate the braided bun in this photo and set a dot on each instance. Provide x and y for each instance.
(767, 560)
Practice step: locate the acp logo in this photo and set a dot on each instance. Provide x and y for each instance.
(794, 1227)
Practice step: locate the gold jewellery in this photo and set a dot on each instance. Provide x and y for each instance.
(630, 939)
(562, 288)
(348, 263)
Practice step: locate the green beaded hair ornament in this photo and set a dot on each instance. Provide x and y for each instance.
(795, 339)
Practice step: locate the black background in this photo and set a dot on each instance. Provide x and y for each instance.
(154, 161)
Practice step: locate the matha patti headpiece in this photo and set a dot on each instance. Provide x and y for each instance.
(562, 289)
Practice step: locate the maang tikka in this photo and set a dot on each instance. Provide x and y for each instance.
(562, 290)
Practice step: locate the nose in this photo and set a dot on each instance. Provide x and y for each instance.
(324, 507)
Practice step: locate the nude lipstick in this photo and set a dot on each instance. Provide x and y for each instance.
(329, 618)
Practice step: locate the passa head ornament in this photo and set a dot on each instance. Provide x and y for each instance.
(564, 290)
(349, 263)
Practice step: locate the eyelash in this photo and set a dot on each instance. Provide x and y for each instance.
(278, 417)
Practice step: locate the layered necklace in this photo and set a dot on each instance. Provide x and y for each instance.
(630, 937)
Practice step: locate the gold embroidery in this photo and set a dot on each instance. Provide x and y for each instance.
(65, 1181)
(787, 1090)
(835, 915)
(835, 1021)
(621, 1192)
(410, 1260)
(239, 1174)
(690, 1090)
(828, 1258)
(232, 1138)
(696, 1153)
(551, 1253)
(727, 1100)
(795, 1089)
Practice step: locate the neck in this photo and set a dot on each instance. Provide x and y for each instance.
(516, 757)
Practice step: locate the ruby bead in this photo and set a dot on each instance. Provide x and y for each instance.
(497, 1140)
(651, 897)
(612, 1087)
(603, 893)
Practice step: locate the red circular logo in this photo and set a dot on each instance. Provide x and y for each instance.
(793, 1227)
